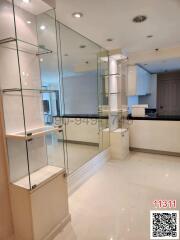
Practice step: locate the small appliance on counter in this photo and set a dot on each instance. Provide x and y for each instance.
(139, 110)
(151, 112)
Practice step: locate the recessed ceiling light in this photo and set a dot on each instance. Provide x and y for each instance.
(109, 39)
(28, 22)
(149, 36)
(41, 59)
(26, 1)
(82, 46)
(139, 19)
(77, 14)
(42, 27)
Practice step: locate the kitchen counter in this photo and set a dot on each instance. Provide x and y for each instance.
(89, 116)
(156, 117)
(155, 134)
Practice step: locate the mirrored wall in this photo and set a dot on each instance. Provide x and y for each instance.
(85, 93)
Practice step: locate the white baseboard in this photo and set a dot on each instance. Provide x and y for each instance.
(77, 178)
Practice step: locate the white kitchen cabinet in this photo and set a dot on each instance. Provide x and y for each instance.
(138, 81)
(155, 135)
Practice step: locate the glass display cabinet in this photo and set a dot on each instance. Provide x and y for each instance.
(103, 95)
(118, 109)
(118, 95)
(30, 92)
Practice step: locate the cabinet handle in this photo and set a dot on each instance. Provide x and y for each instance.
(65, 175)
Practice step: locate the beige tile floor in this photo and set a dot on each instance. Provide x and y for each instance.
(114, 204)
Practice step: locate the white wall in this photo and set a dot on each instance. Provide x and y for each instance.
(80, 94)
(151, 98)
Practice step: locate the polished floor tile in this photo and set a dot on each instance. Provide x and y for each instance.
(115, 203)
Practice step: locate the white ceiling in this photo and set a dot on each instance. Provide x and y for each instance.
(113, 19)
(35, 6)
(162, 65)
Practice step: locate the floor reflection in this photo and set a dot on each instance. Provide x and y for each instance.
(115, 203)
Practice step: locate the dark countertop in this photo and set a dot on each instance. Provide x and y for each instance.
(156, 117)
(89, 116)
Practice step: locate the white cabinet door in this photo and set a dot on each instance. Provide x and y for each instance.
(138, 81)
(132, 80)
(148, 82)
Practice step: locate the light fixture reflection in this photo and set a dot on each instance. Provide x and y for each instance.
(26, 1)
(77, 15)
(42, 27)
(119, 57)
(28, 22)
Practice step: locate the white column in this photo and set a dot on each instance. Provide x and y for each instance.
(113, 104)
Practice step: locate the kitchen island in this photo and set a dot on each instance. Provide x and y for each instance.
(156, 134)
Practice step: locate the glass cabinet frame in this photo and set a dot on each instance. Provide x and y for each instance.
(28, 53)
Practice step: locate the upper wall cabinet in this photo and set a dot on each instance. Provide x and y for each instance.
(138, 81)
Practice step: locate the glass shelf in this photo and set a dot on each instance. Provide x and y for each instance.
(29, 89)
(32, 133)
(113, 74)
(106, 94)
(115, 92)
(23, 46)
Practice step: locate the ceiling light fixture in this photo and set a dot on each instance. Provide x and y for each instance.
(42, 27)
(41, 59)
(139, 19)
(77, 14)
(28, 22)
(26, 1)
(82, 46)
(149, 36)
(109, 39)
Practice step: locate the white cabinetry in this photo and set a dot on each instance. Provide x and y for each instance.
(138, 81)
(119, 144)
(42, 211)
(163, 136)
